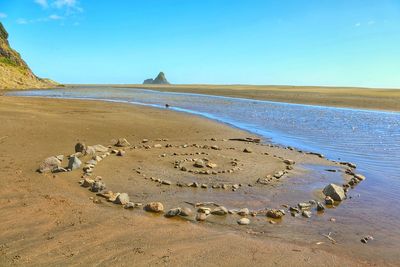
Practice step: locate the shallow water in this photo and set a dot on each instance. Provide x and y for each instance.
(371, 139)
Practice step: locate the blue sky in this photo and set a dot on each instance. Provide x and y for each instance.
(296, 42)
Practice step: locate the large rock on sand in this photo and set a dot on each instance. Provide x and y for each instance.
(98, 186)
(122, 199)
(80, 147)
(74, 163)
(49, 164)
(335, 192)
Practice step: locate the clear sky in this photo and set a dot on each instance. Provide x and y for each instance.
(296, 42)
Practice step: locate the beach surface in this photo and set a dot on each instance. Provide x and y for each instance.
(351, 97)
(48, 219)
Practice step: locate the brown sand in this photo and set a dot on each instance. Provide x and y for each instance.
(50, 220)
(353, 97)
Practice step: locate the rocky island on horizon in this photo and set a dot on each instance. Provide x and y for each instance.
(160, 79)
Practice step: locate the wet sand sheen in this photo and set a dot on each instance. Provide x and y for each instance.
(352, 97)
(65, 217)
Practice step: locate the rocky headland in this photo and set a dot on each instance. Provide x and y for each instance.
(160, 79)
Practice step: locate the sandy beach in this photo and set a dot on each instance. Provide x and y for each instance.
(49, 219)
(351, 97)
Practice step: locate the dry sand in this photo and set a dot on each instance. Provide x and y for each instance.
(353, 97)
(49, 220)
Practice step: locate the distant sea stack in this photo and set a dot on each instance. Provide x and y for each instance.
(160, 79)
(14, 72)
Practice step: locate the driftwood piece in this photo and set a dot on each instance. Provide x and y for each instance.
(247, 139)
(203, 204)
(330, 238)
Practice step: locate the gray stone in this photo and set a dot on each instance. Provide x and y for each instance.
(306, 213)
(98, 186)
(166, 182)
(173, 212)
(221, 210)
(122, 199)
(243, 221)
(74, 163)
(335, 192)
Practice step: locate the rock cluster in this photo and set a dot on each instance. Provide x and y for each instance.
(200, 165)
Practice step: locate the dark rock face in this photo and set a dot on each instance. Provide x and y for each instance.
(160, 79)
(3, 32)
(148, 81)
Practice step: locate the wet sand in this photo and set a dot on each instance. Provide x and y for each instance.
(48, 219)
(352, 97)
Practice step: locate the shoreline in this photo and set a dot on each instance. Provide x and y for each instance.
(373, 99)
(42, 120)
(346, 97)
